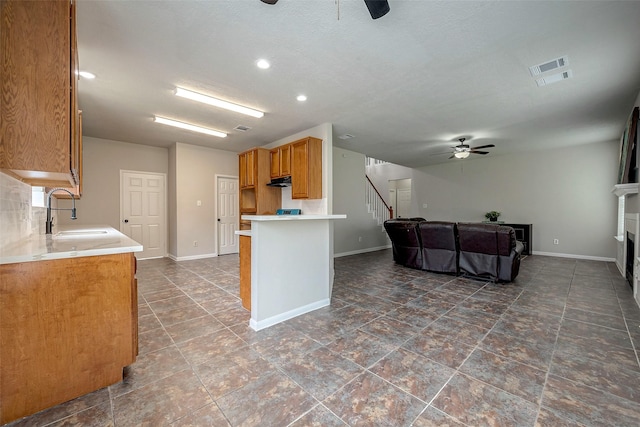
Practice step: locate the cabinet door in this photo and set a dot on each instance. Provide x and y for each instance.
(275, 163)
(38, 90)
(247, 169)
(285, 160)
(306, 169)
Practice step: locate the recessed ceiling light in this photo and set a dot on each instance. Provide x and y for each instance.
(187, 126)
(86, 75)
(205, 99)
(263, 63)
(301, 98)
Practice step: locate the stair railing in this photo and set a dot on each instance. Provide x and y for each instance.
(376, 203)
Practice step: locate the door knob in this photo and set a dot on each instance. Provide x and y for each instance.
(218, 219)
(126, 220)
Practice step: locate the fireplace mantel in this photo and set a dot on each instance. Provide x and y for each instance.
(625, 189)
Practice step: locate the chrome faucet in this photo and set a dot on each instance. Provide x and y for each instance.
(49, 224)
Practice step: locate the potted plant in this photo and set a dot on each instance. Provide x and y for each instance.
(492, 216)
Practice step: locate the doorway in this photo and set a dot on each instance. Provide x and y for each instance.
(143, 211)
(228, 218)
(400, 197)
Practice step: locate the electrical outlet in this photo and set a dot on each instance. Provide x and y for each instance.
(556, 242)
(195, 243)
(360, 239)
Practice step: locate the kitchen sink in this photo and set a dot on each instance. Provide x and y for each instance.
(80, 233)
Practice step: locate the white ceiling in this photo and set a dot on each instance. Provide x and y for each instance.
(407, 85)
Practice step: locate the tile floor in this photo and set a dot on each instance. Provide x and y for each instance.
(397, 347)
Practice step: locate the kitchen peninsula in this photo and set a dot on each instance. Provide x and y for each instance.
(291, 265)
(68, 316)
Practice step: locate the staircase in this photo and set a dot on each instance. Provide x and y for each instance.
(376, 205)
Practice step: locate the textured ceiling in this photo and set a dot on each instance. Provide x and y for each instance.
(407, 85)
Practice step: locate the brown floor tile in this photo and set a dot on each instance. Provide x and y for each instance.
(271, 400)
(319, 416)
(506, 374)
(588, 406)
(415, 374)
(321, 372)
(439, 348)
(150, 367)
(199, 350)
(361, 348)
(209, 415)
(476, 403)
(369, 400)
(161, 402)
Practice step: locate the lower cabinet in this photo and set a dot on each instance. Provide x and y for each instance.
(245, 271)
(68, 327)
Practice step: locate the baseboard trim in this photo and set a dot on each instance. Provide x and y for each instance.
(361, 251)
(585, 257)
(192, 257)
(255, 325)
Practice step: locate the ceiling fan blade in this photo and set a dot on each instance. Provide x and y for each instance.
(479, 152)
(484, 146)
(452, 156)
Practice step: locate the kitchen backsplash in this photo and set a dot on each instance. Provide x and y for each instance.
(18, 220)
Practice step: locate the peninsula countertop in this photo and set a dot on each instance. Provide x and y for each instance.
(291, 217)
(69, 242)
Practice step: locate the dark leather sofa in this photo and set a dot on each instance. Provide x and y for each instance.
(474, 249)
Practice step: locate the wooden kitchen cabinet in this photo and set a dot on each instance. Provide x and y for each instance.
(39, 130)
(77, 189)
(281, 161)
(256, 198)
(245, 271)
(69, 327)
(306, 168)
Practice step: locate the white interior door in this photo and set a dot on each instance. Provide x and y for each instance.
(403, 202)
(143, 211)
(228, 218)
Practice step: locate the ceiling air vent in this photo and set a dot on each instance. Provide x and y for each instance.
(346, 136)
(549, 66)
(241, 128)
(554, 78)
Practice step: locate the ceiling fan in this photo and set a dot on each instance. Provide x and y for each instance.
(462, 150)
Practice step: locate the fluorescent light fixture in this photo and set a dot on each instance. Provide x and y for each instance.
(195, 96)
(187, 126)
(86, 75)
(263, 63)
(301, 98)
(461, 154)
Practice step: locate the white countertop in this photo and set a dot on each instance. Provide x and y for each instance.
(291, 217)
(68, 242)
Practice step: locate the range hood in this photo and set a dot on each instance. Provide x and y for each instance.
(280, 182)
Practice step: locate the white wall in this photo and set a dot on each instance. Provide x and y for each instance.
(102, 161)
(564, 193)
(195, 179)
(360, 232)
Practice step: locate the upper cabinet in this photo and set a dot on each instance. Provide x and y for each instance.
(306, 168)
(256, 198)
(281, 161)
(40, 123)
